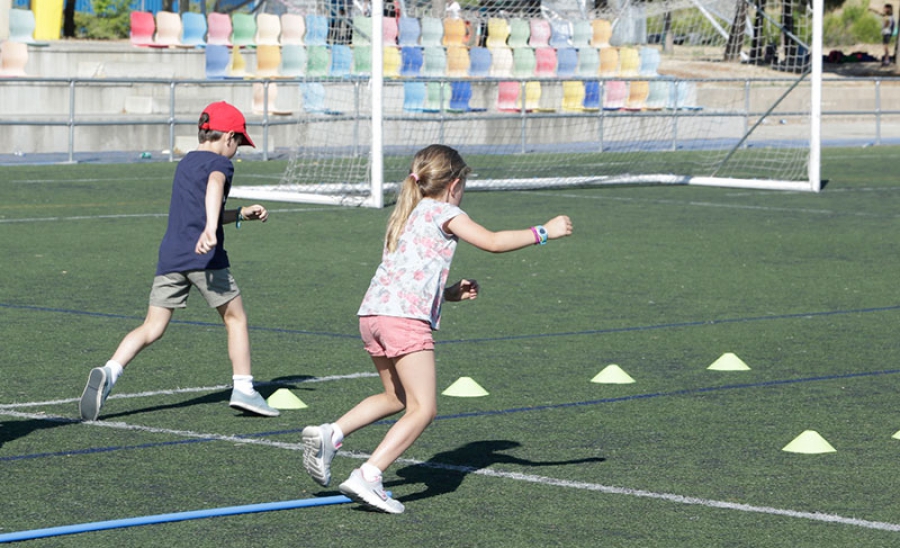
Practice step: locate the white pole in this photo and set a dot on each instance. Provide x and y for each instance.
(377, 82)
(815, 123)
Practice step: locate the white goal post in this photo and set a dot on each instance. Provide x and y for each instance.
(691, 92)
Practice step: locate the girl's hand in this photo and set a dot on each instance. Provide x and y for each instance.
(206, 242)
(558, 227)
(461, 290)
(255, 212)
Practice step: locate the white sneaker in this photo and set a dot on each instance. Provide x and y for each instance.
(318, 452)
(252, 404)
(95, 393)
(370, 493)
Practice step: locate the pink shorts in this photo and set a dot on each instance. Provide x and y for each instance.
(394, 337)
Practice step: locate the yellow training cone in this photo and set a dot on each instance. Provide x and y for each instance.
(612, 374)
(896, 436)
(809, 442)
(285, 399)
(728, 362)
(465, 387)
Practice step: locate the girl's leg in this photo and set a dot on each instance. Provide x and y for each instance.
(150, 331)
(378, 406)
(235, 319)
(416, 375)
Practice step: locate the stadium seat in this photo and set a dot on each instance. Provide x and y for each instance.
(313, 94)
(460, 95)
(435, 97)
(265, 97)
(615, 92)
(238, 67)
(566, 62)
(316, 30)
(524, 62)
(638, 91)
(341, 60)
(591, 95)
(22, 25)
(193, 29)
(243, 29)
(501, 62)
(609, 61)
(650, 60)
(218, 29)
(13, 58)
(362, 31)
(457, 61)
(581, 33)
(658, 94)
(532, 96)
(545, 62)
(508, 96)
(362, 60)
(408, 31)
(498, 32)
(218, 61)
(479, 62)
(391, 61)
(414, 96)
(519, 32)
(268, 30)
(435, 61)
(629, 61)
(293, 29)
(389, 31)
(168, 29)
(432, 32)
(560, 34)
(293, 60)
(540, 33)
(411, 60)
(143, 28)
(456, 33)
(268, 61)
(601, 33)
(317, 61)
(573, 95)
(588, 62)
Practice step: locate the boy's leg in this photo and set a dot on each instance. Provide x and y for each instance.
(101, 379)
(244, 396)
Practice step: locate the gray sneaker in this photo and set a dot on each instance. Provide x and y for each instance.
(95, 392)
(252, 404)
(370, 494)
(318, 452)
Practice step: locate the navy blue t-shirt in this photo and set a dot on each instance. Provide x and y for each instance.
(187, 215)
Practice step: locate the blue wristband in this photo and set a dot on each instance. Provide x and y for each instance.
(542, 232)
(237, 222)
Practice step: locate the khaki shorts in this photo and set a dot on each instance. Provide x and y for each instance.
(171, 290)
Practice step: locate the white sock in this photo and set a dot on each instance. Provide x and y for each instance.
(370, 472)
(337, 435)
(244, 384)
(116, 370)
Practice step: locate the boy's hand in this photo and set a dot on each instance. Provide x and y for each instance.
(462, 290)
(255, 212)
(206, 242)
(558, 227)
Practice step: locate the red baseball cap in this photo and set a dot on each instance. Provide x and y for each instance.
(225, 117)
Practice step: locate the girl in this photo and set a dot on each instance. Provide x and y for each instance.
(401, 308)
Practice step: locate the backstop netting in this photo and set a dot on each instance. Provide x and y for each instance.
(539, 94)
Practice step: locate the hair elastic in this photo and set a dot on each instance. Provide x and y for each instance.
(414, 176)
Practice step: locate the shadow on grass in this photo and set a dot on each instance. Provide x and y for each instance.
(16, 429)
(444, 472)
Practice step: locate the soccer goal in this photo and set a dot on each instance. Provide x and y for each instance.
(544, 94)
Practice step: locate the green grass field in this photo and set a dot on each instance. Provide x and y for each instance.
(659, 280)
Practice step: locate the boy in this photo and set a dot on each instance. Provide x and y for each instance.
(192, 253)
(887, 32)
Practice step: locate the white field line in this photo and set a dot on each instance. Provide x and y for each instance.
(189, 390)
(145, 215)
(530, 478)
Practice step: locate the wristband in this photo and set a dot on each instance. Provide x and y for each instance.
(237, 222)
(542, 232)
(537, 237)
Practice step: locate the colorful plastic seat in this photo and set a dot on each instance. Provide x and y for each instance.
(540, 33)
(498, 32)
(218, 29)
(524, 62)
(411, 61)
(22, 25)
(588, 62)
(435, 61)
(435, 99)
(629, 61)
(609, 61)
(316, 30)
(268, 61)
(318, 61)
(408, 31)
(460, 95)
(268, 30)
(13, 58)
(218, 59)
(341, 60)
(414, 96)
(432, 32)
(533, 93)
(313, 94)
(293, 60)
(389, 31)
(480, 62)
(545, 62)
(581, 33)
(193, 31)
(362, 31)
(508, 96)
(573, 95)
(293, 29)
(638, 91)
(560, 34)
(566, 62)
(456, 33)
(168, 29)
(615, 92)
(502, 62)
(457, 61)
(650, 60)
(143, 28)
(391, 61)
(601, 33)
(243, 29)
(592, 99)
(362, 60)
(519, 32)
(658, 95)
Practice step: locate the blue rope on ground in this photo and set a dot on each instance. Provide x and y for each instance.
(166, 518)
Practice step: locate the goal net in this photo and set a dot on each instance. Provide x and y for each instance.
(551, 93)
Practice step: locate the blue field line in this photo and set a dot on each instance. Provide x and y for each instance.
(673, 325)
(172, 517)
(488, 413)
